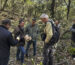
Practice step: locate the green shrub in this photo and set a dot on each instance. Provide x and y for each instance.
(71, 50)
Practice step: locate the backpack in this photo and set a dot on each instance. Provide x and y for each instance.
(56, 33)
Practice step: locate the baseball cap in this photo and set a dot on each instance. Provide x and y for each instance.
(44, 16)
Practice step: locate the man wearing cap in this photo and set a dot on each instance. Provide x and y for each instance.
(19, 33)
(6, 40)
(47, 47)
(32, 31)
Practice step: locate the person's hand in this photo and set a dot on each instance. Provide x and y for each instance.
(18, 38)
(28, 38)
(46, 42)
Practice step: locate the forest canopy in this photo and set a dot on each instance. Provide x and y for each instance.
(57, 9)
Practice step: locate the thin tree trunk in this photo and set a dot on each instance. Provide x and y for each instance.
(52, 8)
(68, 8)
(4, 4)
(22, 13)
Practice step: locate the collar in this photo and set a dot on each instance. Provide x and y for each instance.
(32, 25)
(3, 27)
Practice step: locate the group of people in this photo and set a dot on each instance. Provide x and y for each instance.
(30, 35)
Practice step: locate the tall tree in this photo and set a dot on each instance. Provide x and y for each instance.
(52, 8)
(22, 12)
(68, 7)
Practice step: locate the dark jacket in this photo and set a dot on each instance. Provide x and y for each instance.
(73, 32)
(19, 31)
(6, 40)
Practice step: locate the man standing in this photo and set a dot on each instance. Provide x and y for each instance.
(73, 38)
(32, 31)
(6, 40)
(47, 47)
(19, 33)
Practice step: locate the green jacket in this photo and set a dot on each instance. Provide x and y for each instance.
(32, 31)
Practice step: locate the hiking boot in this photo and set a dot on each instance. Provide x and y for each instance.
(34, 54)
(17, 59)
(23, 64)
(27, 55)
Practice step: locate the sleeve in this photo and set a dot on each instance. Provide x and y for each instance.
(37, 29)
(72, 29)
(11, 41)
(26, 30)
(16, 32)
(49, 32)
(37, 33)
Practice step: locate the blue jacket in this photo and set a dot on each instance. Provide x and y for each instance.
(6, 40)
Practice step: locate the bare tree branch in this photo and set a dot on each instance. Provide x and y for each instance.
(65, 2)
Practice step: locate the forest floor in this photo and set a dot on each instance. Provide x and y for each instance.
(31, 60)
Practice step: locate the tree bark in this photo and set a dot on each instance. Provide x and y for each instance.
(52, 8)
(5, 3)
(68, 8)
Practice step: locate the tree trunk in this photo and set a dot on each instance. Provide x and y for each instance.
(52, 8)
(0, 4)
(68, 8)
(12, 3)
(4, 4)
(23, 8)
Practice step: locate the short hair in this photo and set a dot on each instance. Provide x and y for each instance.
(34, 19)
(21, 20)
(6, 21)
(44, 16)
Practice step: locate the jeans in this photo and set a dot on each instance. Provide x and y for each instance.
(48, 59)
(20, 53)
(34, 47)
(4, 61)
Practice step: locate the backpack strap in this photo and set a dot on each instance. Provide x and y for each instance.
(52, 26)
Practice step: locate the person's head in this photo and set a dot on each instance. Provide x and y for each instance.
(74, 21)
(56, 22)
(6, 23)
(44, 18)
(21, 22)
(33, 21)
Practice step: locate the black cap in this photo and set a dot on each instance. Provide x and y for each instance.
(34, 19)
(6, 21)
(21, 20)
